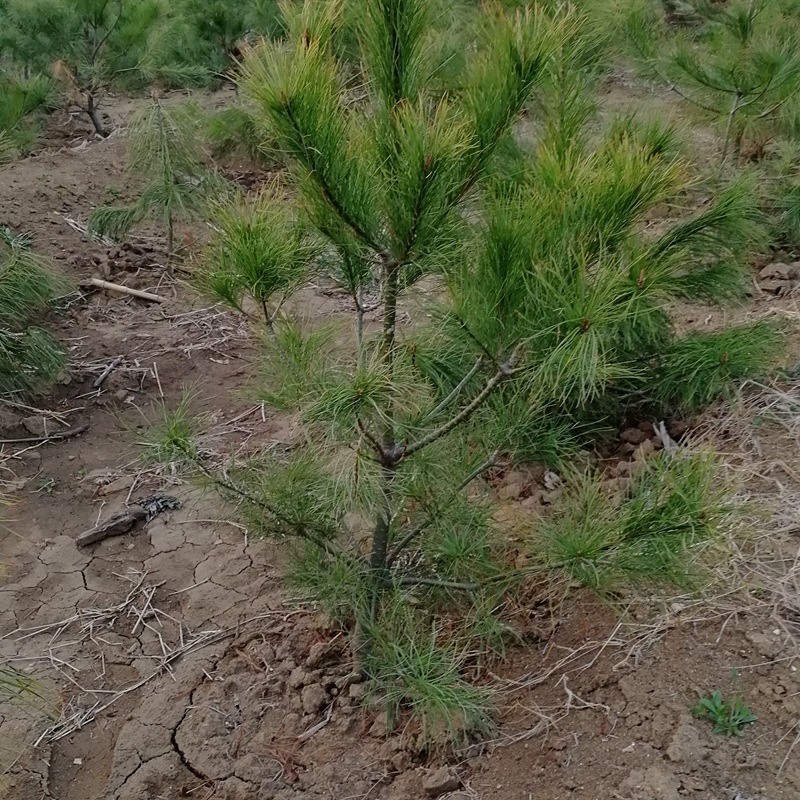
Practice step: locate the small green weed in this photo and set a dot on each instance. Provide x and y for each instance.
(171, 439)
(728, 717)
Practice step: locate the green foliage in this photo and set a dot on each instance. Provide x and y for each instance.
(233, 132)
(651, 534)
(203, 38)
(789, 220)
(296, 362)
(20, 102)
(23, 690)
(29, 358)
(172, 438)
(165, 150)
(335, 583)
(728, 718)
(781, 191)
(258, 250)
(413, 668)
(740, 63)
(503, 304)
(698, 368)
(87, 45)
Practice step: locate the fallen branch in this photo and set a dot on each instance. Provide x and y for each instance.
(113, 526)
(119, 289)
(145, 509)
(52, 437)
(107, 371)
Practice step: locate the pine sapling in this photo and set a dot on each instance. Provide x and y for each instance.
(30, 359)
(494, 311)
(85, 46)
(165, 149)
(741, 64)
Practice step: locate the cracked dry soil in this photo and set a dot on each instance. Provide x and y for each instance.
(264, 708)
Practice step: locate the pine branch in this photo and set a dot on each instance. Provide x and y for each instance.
(367, 434)
(301, 530)
(420, 527)
(110, 30)
(504, 372)
(456, 391)
(436, 582)
(327, 191)
(688, 98)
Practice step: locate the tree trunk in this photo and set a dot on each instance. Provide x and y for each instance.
(729, 127)
(380, 538)
(91, 111)
(170, 244)
(359, 302)
(383, 524)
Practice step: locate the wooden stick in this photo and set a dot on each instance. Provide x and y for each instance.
(116, 287)
(114, 526)
(107, 371)
(53, 437)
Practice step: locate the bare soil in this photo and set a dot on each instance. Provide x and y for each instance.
(185, 669)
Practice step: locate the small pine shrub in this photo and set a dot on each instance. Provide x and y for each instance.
(30, 359)
(651, 534)
(738, 63)
(498, 303)
(234, 133)
(165, 150)
(21, 101)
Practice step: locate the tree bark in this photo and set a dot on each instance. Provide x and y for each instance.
(91, 111)
(170, 245)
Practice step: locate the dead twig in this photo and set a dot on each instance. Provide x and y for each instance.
(314, 729)
(52, 437)
(119, 289)
(107, 371)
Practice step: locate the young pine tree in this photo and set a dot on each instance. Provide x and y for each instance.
(210, 34)
(20, 99)
(739, 62)
(29, 358)
(87, 45)
(165, 150)
(500, 302)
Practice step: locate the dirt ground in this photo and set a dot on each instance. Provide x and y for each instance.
(184, 666)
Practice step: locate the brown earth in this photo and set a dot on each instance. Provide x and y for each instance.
(184, 667)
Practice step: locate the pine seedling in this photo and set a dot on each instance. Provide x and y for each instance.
(741, 64)
(233, 132)
(476, 297)
(19, 101)
(164, 148)
(650, 536)
(172, 438)
(414, 668)
(203, 40)
(29, 357)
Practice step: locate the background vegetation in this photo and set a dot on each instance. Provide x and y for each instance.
(446, 170)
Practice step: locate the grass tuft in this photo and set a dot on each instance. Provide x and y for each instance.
(172, 438)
